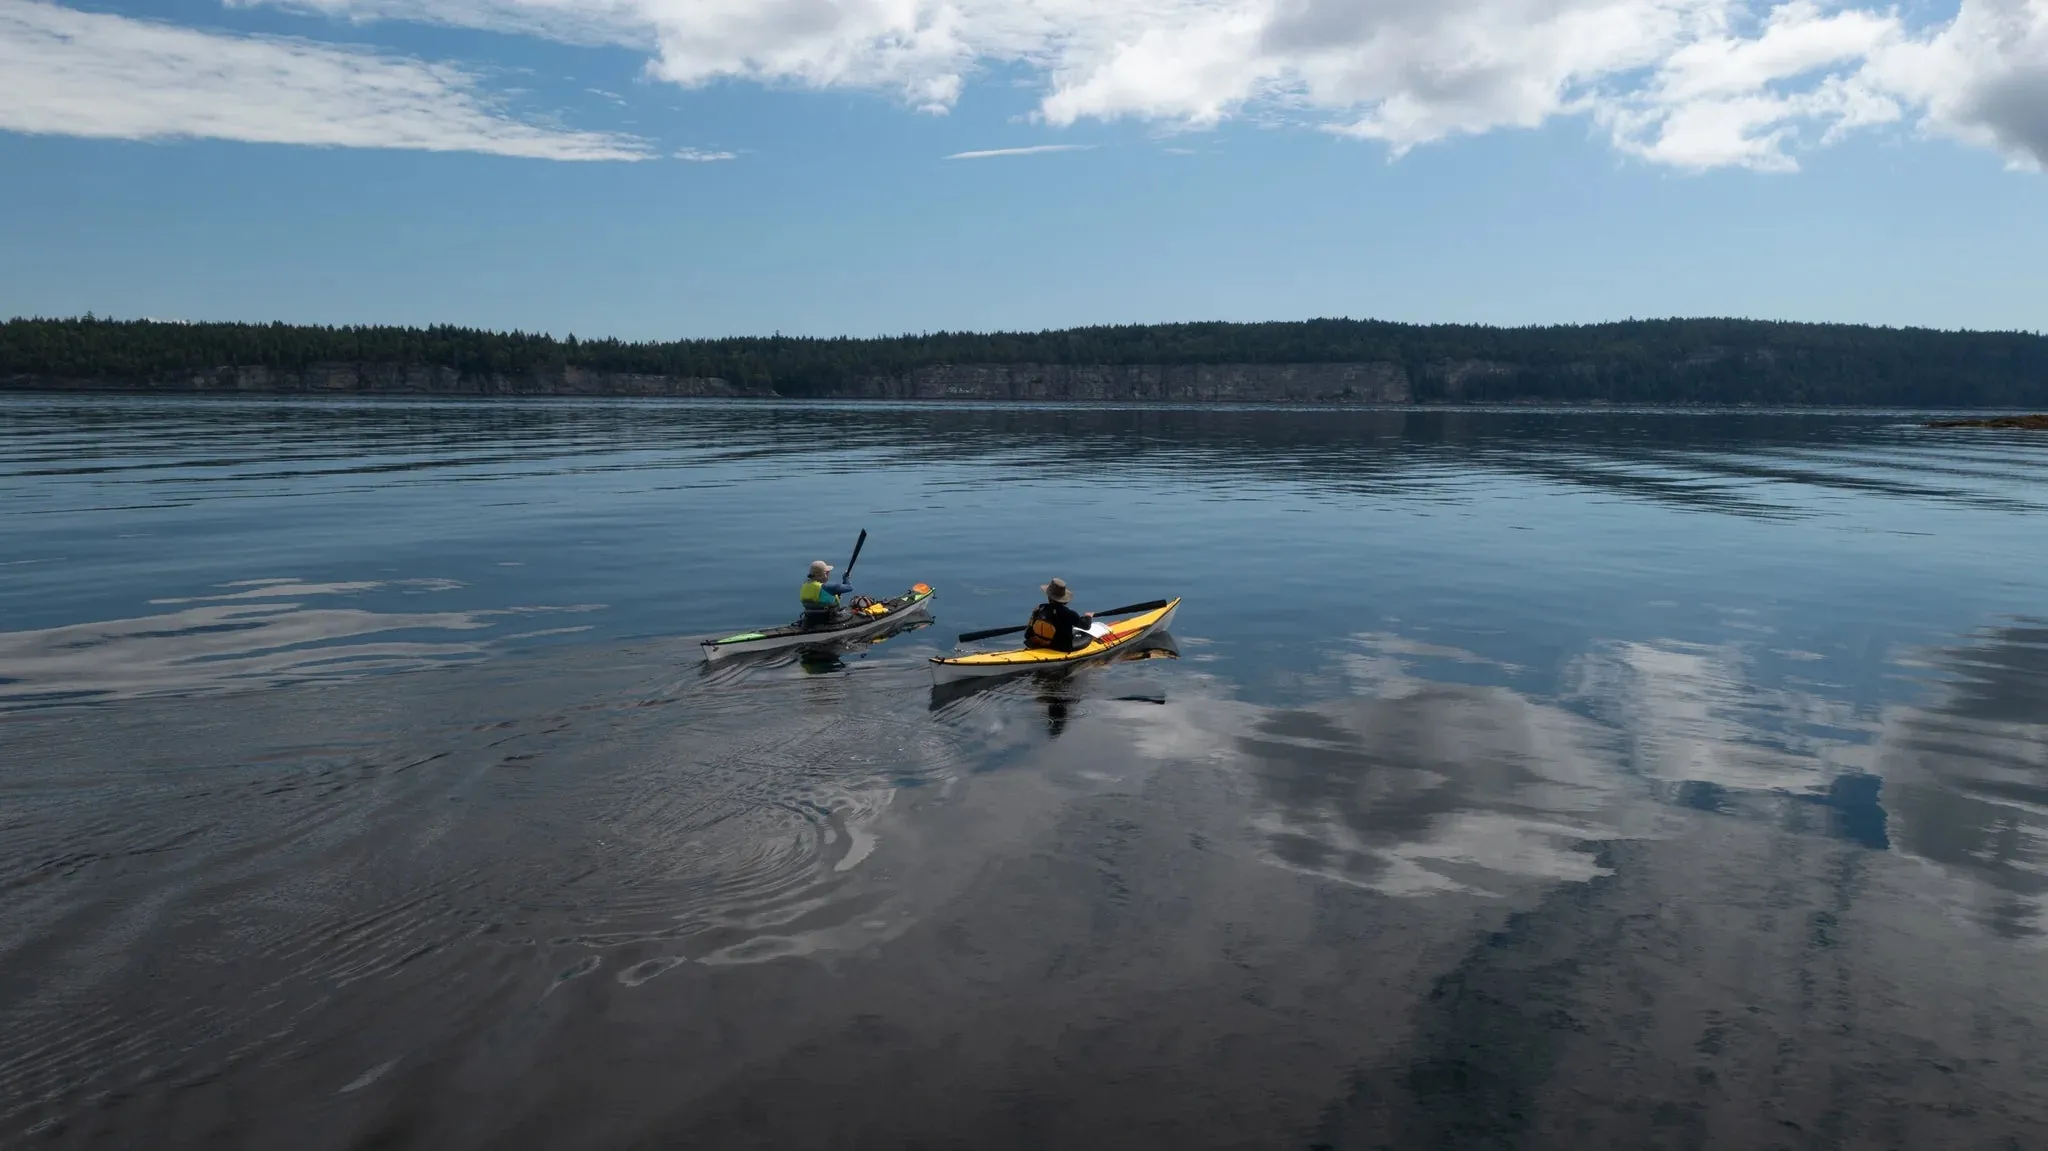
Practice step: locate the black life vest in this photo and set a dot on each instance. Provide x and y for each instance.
(1043, 632)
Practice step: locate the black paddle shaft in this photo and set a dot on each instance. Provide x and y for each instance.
(1153, 605)
(857, 545)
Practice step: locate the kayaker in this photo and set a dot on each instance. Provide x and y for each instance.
(1055, 624)
(820, 599)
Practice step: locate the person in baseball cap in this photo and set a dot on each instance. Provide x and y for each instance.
(821, 599)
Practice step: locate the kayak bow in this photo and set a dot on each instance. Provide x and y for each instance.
(879, 617)
(1108, 638)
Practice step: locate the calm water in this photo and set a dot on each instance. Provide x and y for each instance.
(1525, 779)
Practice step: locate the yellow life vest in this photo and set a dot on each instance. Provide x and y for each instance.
(1042, 632)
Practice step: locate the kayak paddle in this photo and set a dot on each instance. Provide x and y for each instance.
(857, 545)
(971, 636)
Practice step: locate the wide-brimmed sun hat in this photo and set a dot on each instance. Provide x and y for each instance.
(820, 569)
(1057, 592)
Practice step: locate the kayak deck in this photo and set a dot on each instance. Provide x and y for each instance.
(1109, 639)
(879, 616)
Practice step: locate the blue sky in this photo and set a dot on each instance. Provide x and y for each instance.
(665, 168)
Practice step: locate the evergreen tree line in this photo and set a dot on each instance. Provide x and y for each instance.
(1638, 361)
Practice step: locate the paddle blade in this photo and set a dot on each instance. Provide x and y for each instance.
(857, 545)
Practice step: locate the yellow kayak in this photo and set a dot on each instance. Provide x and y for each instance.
(1108, 638)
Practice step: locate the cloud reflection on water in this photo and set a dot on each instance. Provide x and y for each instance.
(1450, 788)
(1409, 785)
(1968, 775)
(260, 633)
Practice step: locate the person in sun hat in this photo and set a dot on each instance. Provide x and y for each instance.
(821, 600)
(1055, 624)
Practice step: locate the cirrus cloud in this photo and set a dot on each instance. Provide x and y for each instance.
(72, 73)
(1033, 150)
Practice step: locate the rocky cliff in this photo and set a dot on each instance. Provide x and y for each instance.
(390, 380)
(1372, 383)
(1379, 383)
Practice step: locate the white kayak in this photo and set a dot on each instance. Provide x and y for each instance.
(877, 618)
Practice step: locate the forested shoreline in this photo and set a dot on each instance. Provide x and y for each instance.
(1677, 361)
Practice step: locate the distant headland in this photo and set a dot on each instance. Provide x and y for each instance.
(1328, 361)
(2031, 423)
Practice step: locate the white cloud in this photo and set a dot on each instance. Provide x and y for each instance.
(700, 156)
(1725, 99)
(1034, 150)
(1983, 79)
(65, 72)
(1691, 83)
